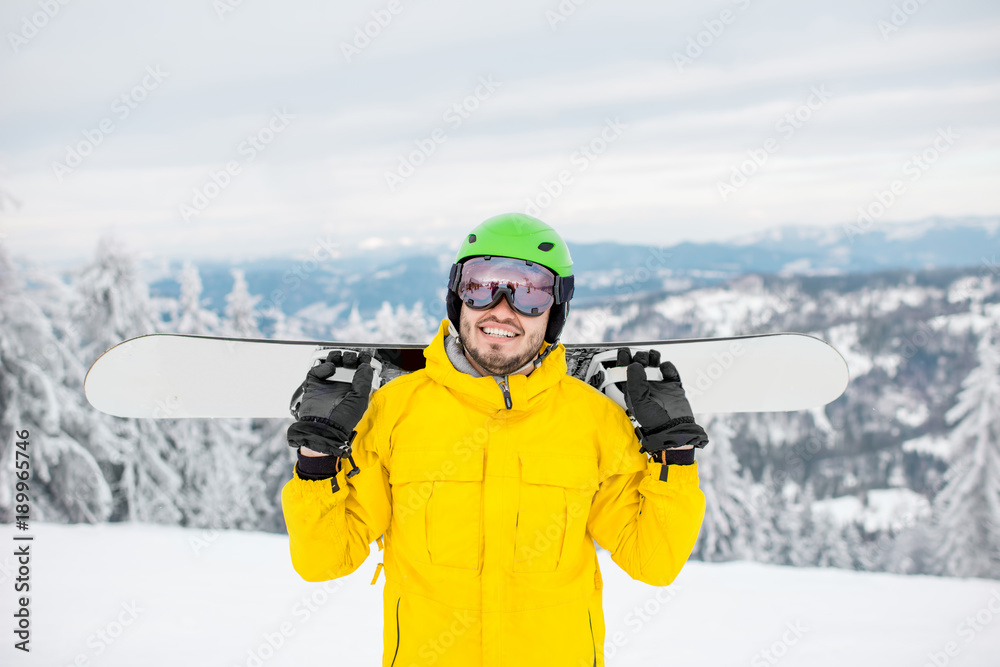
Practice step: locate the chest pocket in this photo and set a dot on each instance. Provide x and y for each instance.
(437, 506)
(555, 493)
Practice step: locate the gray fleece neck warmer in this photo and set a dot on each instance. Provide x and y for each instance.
(457, 356)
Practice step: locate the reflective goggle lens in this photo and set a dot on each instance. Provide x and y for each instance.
(528, 288)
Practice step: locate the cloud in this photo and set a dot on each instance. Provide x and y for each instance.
(354, 120)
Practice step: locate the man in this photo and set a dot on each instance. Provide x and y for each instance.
(491, 472)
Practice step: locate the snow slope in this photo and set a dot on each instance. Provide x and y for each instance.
(196, 597)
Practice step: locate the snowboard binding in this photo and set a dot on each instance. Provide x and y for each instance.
(342, 374)
(609, 378)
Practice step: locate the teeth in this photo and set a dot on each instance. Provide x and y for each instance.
(497, 332)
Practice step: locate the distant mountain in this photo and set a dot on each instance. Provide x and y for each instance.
(863, 482)
(402, 276)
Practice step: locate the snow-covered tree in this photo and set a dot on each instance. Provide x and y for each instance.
(192, 315)
(41, 393)
(767, 543)
(241, 308)
(113, 303)
(412, 326)
(401, 325)
(832, 542)
(967, 509)
(728, 525)
(356, 330)
(222, 485)
(386, 324)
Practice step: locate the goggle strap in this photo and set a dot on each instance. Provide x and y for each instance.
(562, 290)
(454, 277)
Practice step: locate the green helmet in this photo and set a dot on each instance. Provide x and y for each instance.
(522, 237)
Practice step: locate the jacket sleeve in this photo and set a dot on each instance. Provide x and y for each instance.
(331, 526)
(647, 514)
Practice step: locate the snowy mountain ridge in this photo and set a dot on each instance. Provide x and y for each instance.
(404, 275)
(917, 421)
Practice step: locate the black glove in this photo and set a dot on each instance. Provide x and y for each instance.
(327, 412)
(661, 409)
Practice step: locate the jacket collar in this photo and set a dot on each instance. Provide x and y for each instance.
(525, 390)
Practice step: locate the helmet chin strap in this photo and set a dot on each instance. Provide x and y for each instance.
(538, 362)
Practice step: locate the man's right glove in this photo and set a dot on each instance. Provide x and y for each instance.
(666, 422)
(327, 412)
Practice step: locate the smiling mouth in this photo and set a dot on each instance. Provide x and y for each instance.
(497, 332)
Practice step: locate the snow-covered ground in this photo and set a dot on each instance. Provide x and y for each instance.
(131, 595)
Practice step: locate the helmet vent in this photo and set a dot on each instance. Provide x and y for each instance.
(546, 246)
(472, 238)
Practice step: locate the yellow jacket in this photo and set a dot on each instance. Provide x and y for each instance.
(490, 515)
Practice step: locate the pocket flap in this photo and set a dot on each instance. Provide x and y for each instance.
(435, 465)
(559, 470)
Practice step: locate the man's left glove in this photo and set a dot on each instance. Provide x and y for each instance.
(327, 412)
(666, 422)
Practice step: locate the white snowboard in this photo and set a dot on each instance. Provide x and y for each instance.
(172, 376)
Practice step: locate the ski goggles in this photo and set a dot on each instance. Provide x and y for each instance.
(530, 289)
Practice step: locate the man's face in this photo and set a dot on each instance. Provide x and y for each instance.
(499, 353)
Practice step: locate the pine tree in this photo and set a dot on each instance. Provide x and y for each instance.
(113, 302)
(833, 543)
(192, 316)
(221, 485)
(726, 530)
(41, 393)
(281, 326)
(113, 305)
(356, 330)
(386, 324)
(767, 543)
(967, 509)
(412, 325)
(240, 308)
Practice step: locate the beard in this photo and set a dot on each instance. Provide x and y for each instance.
(495, 361)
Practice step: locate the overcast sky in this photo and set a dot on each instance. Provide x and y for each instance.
(115, 115)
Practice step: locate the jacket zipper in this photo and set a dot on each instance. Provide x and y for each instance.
(505, 390)
(397, 633)
(592, 642)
